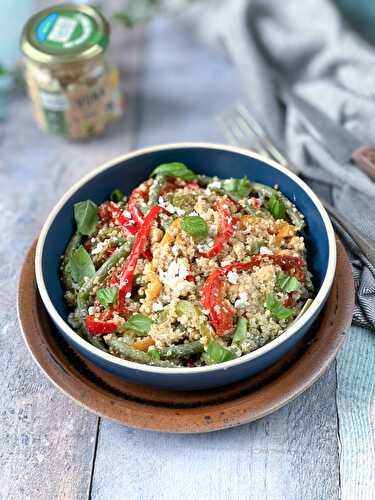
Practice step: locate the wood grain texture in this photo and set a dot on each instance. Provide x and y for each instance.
(279, 457)
(356, 411)
(290, 455)
(46, 441)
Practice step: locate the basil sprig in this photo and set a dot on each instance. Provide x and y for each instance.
(140, 324)
(240, 331)
(218, 353)
(238, 188)
(86, 216)
(80, 265)
(276, 206)
(174, 169)
(276, 308)
(116, 195)
(107, 296)
(287, 283)
(195, 226)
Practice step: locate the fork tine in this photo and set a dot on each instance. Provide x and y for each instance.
(230, 131)
(235, 131)
(255, 128)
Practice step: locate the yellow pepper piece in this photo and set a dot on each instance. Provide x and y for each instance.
(285, 231)
(171, 233)
(143, 344)
(153, 287)
(246, 220)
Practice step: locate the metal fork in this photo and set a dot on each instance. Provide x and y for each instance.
(241, 129)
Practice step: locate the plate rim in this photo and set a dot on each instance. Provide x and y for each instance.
(237, 410)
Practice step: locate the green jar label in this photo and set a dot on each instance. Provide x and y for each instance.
(65, 30)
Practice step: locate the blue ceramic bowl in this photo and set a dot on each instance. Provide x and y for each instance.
(130, 170)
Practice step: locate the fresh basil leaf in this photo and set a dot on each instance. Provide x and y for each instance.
(80, 265)
(277, 310)
(195, 226)
(238, 188)
(174, 169)
(139, 323)
(107, 296)
(287, 283)
(218, 353)
(86, 216)
(240, 331)
(153, 353)
(117, 195)
(276, 206)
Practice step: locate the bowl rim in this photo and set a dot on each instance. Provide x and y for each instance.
(318, 301)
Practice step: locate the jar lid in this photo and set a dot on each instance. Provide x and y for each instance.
(66, 33)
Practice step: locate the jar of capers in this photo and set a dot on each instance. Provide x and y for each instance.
(71, 80)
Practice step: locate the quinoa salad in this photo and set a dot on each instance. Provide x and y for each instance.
(188, 270)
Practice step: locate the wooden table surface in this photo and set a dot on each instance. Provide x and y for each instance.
(321, 446)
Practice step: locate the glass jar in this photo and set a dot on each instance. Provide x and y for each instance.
(71, 80)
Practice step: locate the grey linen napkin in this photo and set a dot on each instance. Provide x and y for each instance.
(307, 45)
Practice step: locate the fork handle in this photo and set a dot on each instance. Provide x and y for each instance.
(356, 236)
(364, 158)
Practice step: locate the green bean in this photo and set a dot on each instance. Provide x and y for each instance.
(106, 232)
(127, 352)
(155, 189)
(72, 246)
(295, 217)
(116, 240)
(104, 269)
(182, 350)
(204, 180)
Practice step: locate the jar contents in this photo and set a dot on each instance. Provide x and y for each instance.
(73, 85)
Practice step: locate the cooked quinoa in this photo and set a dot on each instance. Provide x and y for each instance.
(188, 271)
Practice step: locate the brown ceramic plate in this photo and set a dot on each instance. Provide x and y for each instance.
(196, 411)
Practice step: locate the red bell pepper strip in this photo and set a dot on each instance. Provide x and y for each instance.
(109, 209)
(99, 326)
(220, 310)
(286, 262)
(226, 229)
(127, 272)
(136, 214)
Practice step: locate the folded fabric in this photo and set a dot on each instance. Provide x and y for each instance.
(308, 46)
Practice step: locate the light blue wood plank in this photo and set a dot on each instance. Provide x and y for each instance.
(356, 411)
(291, 455)
(47, 442)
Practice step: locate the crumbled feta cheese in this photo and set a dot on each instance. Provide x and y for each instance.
(265, 251)
(156, 306)
(127, 214)
(232, 277)
(174, 276)
(215, 184)
(128, 295)
(175, 250)
(242, 300)
(99, 248)
(225, 263)
(91, 310)
(194, 214)
(179, 211)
